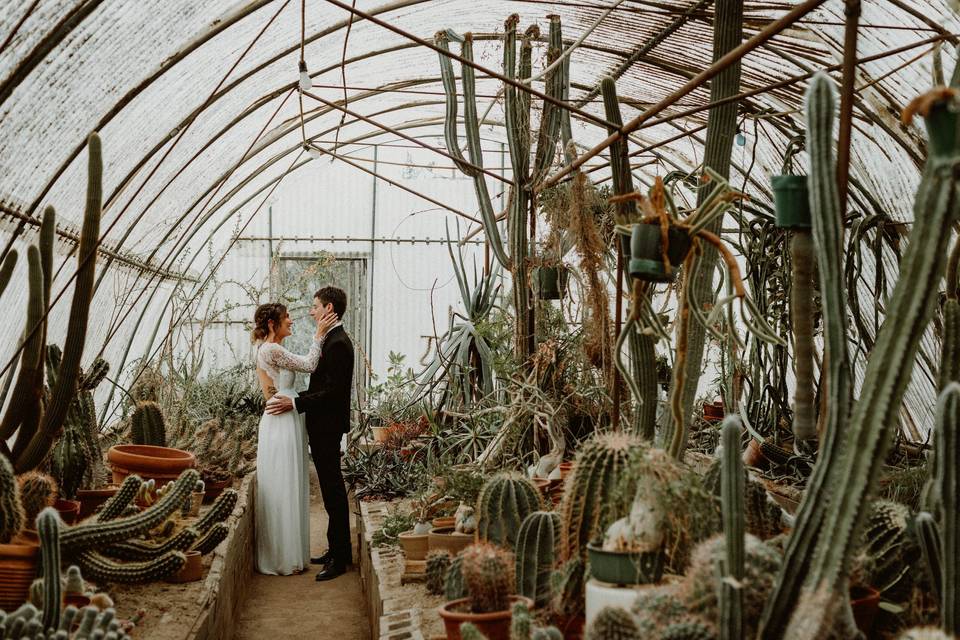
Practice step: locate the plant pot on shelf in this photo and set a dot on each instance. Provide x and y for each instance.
(91, 499)
(752, 455)
(620, 567)
(414, 545)
(444, 522)
(447, 538)
(69, 510)
(161, 464)
(494, 626)
(212, 490)
(191, 571)
(713, 411)
(18, 568)
(791, 201)
(565, 468)
(646, 253)
(865, 602)
(550, 282)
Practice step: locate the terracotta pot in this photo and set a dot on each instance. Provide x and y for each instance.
(91, 499)
(447, 538)
(161, 464)
(415, 546)
(713, 411)
(76, 599)
(213, 490)
(18, 568)
(572, 626)
(69, 510)
(191, 571)
(444, 522)
(565, 469)
(865, 602)
(542, 485)
(494, 626)
(752, 455)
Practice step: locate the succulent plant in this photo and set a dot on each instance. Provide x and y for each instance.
(48, 530)
(656, 606)
(546, 633)
(100, 568)
(37, 492)
(211, 539)
(454, 587)
(488, 576)
(731, 494)
(469, 631)
(438, 561)
(536, 553)
(25, 624)
(219, 511)
(947, 433)
(147, 425)
(613, 623)
(928, 535)
(521, 623)
(504, 501)
(141, 550)
(889, 556)
(764, 517)
(566, 587)
(74, 584)
(114, 507)
(689, 629)
(12, 517)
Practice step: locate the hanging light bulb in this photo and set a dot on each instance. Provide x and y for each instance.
(306, 82)
(741, 139)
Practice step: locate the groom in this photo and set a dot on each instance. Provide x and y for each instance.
(326, 403)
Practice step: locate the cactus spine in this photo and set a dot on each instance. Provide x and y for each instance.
(488, 576)
(147, 426)
(536, 553)
(438, 561)
(613, 623)
(948, 486)
(37, 492)
(504, 501)
(12, 517)
(48, 529)
(731, 497)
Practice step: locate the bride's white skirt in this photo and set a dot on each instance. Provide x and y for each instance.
(283, 494)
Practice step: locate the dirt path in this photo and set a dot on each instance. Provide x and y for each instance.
(299, 607)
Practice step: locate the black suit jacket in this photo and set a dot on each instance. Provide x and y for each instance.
(326, 402)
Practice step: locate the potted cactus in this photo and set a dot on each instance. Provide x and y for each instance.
(632, 549)
(488, 576)
(19, 551)
(550, 279)
(148, 456)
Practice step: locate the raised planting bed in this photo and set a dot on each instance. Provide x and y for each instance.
(201, 610)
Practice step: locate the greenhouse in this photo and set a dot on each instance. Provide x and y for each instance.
(443, 320)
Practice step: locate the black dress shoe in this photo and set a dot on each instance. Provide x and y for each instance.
(325, 559)
(331, 571)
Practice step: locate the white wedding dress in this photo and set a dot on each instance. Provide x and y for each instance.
(283, 487)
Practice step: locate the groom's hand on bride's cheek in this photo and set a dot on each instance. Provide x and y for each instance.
(279, 404)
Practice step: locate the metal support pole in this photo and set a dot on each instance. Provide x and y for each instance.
(371, 271)
(615, 394)
(852, 13)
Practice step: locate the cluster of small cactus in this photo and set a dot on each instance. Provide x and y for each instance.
(37, 492)
(536, 553)
(227, 444)
(488, 576)
(26, 623)
(438, 561)
(147, 425)
(504, 501)
(12, 517)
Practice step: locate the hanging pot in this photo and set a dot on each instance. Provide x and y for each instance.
(620, 567)
(551, 282)
(646, 253)
(791, 201)
(942, 128)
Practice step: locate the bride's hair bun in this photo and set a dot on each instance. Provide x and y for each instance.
(262, 317)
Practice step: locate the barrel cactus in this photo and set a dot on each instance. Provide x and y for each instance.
(469, 631)
(37, 492)
(536, 554)
(504, 501)
(147, 426)
(438, 561)
(657, 606)
(613, 623)
(689, 629)
(890, 556)
(12, 517)
(488, 576)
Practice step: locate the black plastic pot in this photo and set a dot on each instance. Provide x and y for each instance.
(624, 244)
(646, 254)
(618, 567)
(551, 282)
(791, 201)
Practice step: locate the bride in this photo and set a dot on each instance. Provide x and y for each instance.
(283, 491)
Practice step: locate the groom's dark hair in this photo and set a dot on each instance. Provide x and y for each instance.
(335, 296)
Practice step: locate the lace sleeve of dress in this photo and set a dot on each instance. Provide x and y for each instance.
(277, 356)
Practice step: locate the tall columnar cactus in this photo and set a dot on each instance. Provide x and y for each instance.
(211, 539)
(453, 585)
(828, 240)
(48, 529)
(947, 433)
(37, 492)
(592, 487)
(101, 568)
(12, 517)
(219, 511)
(731, 497)
(115, 506)
(613, 623)
(140, 550)
(488, 576)
(147, 426)
(536, 554)
(438, 561)
(504, 501)
(928, 534)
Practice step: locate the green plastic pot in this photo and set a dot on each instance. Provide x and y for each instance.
(646, 254)
(791, 201)
(619, 567)
(625, 244)
(942, 123)
(551, 282)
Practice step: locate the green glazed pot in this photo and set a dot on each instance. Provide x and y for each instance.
(646, 255)
(791, 201)
(617, 567)
(551, 282)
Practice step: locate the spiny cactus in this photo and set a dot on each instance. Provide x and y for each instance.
(115, 506)
(438, 561)
(48, 530)
(37, 492)
(212, 538)
(657, 606)
(536, 554)
(147, 426)
(566, 587)
(100, 534)
(591, 487)
(74, 584)
(546, 633)
(947, 433)
(700, 592)
(12, 516)
(469, 631)
(521, 623)
(890, 553)
(613, 623)
(25, 624)
(928, 535)
(731, 495)
(689, 629)
(488, 576)
(100, 568)
(453, 584)
(219, 511)
(141, 550)
(504, 501)
(763, 516)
